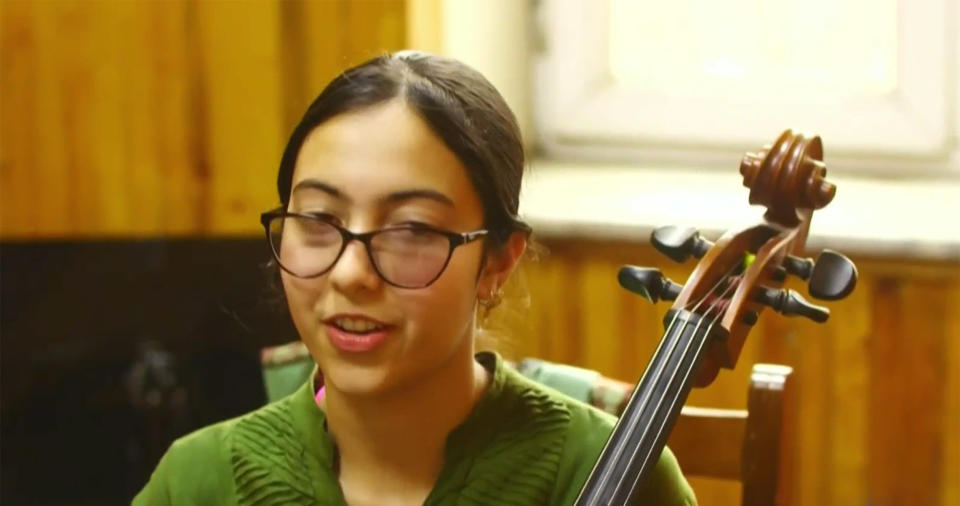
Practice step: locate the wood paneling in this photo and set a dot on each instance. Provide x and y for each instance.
(168, 118)
(163, 117)
(877, 384)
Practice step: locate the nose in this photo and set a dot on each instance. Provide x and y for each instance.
(353, 271)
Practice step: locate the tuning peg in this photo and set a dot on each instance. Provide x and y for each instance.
(799, 267)
(834, 276)
(779, 274)
(679, 243)
(790, 303)
(648, 283)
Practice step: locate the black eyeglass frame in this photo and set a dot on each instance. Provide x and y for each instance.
(455, 239)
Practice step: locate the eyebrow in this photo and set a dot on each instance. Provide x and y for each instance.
(418, 193)
(314, 184)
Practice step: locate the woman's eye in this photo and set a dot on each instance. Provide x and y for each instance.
(322, 216)
(415, 225)
(420, 232)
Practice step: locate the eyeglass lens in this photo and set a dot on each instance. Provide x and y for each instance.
(407, 257)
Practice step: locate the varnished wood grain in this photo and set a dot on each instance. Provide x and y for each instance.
(848, 338)
(876, 385)
(144, 118)
(907, 386)
(131, 119)
(950, 426)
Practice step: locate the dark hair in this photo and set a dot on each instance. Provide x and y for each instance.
(461, 107)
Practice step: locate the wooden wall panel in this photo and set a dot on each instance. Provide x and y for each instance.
(239, 51)
(847, 340)
(906, 394)
(950, 421)
(163, 118)
(167, 118)
(877, 384)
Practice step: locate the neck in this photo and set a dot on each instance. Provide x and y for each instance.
(641, 431)
(400, 436)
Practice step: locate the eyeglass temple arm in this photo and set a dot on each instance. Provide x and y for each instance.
(472, 236)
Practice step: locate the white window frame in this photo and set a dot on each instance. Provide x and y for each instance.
(580, 112)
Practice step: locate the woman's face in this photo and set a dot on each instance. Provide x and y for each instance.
(371, 169)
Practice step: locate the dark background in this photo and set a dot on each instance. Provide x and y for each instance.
(111, 349)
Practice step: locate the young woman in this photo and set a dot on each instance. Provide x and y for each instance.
(399, 192)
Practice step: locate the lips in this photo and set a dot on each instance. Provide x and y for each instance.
(355, 333)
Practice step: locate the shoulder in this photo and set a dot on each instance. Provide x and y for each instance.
(210, 465)
(586, 433)
(195, 469)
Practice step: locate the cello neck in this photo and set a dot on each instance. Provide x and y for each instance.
(641, 432)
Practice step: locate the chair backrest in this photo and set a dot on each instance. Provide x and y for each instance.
(285, 368)
(753, 446)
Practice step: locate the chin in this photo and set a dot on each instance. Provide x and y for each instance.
(351, 378)
(358, 381)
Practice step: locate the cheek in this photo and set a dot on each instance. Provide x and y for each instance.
(302, 296)
(446, 306)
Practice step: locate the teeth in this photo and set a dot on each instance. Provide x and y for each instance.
(356, 325)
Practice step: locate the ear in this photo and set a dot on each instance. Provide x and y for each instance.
(500, 264)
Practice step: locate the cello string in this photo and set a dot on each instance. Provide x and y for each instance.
(714, 306)
(619, 446)
(683, 357)
(657, 374)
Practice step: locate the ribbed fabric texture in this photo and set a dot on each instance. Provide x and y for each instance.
(522, 445)
(519, 466)
(269, 461)
(507, 453)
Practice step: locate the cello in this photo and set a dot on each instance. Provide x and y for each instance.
(734, 281)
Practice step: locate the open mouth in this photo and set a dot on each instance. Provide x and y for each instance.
(356, 335)
(357, 325)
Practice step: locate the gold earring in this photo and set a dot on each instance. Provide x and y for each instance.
(493, 300)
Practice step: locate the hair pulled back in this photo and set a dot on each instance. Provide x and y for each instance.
(461, 107)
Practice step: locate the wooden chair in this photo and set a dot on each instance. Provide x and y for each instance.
(753, 446)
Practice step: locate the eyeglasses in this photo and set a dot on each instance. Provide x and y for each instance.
(405, 256)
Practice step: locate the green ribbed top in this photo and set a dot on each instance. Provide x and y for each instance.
(523, 444)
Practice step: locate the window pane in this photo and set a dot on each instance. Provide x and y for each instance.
(835, 49)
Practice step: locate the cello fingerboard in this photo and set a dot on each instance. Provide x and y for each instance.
(641, 432)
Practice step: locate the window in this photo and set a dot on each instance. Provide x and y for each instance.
(701, 80)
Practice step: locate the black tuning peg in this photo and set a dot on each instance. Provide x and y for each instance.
(679, 243)
(648, 283)
(799, 267)
(834, 276)
(790, 303)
